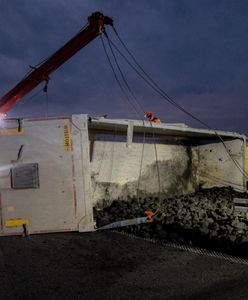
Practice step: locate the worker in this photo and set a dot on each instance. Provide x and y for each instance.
(151, 118)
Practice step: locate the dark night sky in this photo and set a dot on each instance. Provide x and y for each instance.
(195, 49)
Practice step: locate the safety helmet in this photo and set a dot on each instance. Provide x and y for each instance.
(148, 114)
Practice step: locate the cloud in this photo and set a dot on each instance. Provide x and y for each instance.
(196, 51)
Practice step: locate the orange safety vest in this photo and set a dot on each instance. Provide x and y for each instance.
(153, 119)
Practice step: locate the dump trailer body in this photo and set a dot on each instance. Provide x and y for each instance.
(54, 170)
(44, 176)
(131, 158)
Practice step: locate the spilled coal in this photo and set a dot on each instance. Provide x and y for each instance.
(205, 219)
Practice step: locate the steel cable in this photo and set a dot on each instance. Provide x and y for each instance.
(129, 101)
(165, 96)
(122, 75)
(117, 79)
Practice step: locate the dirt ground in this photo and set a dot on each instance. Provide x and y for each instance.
(105, 265)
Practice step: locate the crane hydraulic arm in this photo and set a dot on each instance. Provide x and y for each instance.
(41, 73)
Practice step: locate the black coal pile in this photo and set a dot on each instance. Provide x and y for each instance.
(205, 219)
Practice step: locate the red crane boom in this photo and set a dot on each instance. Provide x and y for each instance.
(41, 73)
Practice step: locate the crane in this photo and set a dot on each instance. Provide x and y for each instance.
(41, 73)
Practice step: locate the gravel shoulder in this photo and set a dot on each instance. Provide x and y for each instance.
(105, 265)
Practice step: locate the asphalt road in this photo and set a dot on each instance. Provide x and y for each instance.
(104, 265)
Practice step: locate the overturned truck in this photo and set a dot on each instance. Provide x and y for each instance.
(53, 171)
